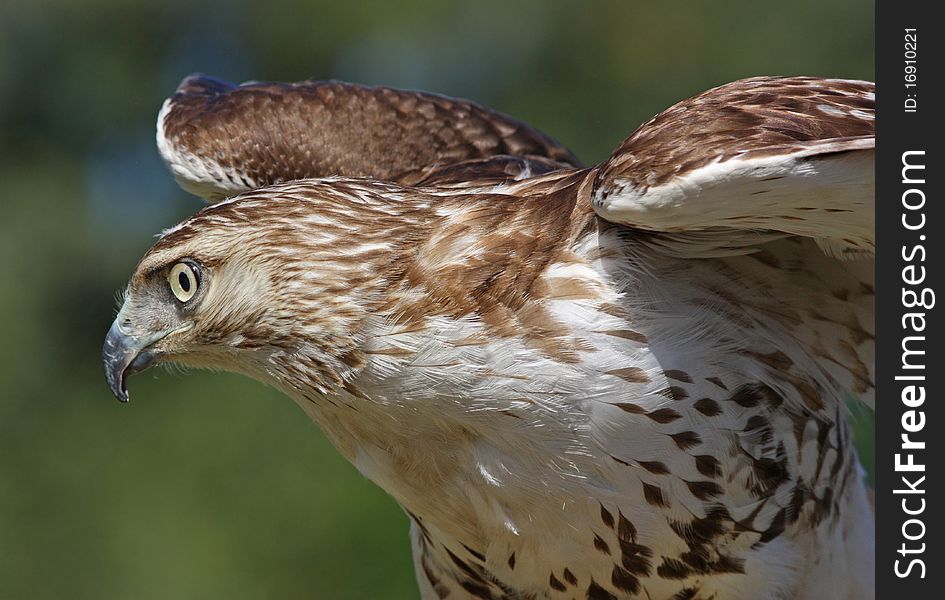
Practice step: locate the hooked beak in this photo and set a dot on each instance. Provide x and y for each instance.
(124, 355)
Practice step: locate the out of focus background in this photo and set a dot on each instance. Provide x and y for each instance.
(210, 485)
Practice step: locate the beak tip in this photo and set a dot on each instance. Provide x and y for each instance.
(121, 395)
(120, 353)
(116, 383)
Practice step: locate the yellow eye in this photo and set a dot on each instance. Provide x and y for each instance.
(183, 281)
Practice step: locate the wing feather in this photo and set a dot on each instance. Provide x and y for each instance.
(792, 155)
(220, 139)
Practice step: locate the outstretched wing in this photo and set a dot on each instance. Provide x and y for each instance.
(219, 139)
(479, 172)
(782, 154)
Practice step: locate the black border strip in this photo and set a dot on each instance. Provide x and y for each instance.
(909, 127)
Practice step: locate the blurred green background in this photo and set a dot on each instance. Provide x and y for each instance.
(209, 485)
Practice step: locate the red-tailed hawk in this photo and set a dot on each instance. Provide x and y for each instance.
(623, 381)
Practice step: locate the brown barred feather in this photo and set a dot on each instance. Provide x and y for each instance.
(749, 118)
(263, 133)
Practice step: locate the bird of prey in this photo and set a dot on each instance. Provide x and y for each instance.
(622, 381)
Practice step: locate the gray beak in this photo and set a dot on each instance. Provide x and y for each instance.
(124, 355)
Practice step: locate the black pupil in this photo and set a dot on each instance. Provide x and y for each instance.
(184, 281)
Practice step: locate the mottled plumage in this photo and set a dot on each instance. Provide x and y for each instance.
(570, 393)
(768, 153)
(219, 139)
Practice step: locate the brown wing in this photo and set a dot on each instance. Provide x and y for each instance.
(786, 154)
(478, 172)
(219, 139)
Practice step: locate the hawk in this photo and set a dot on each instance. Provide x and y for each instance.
(622, 381)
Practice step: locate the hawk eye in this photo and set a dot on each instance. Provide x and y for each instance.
(183, 281)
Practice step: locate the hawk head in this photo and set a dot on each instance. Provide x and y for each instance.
(276, 285)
